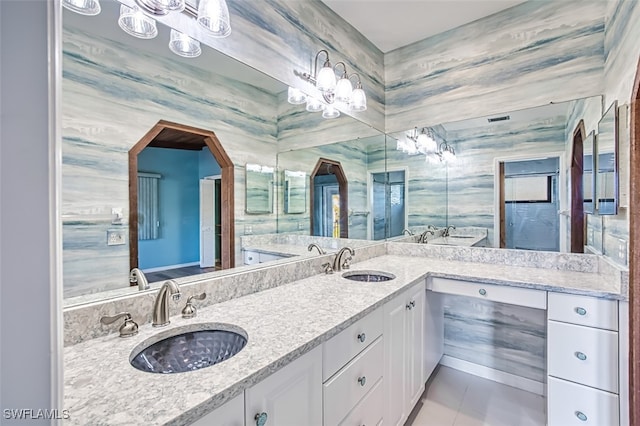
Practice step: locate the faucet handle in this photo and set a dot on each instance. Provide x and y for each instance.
(189, 310)
(345, 264)
(327, 268)
(128, 329)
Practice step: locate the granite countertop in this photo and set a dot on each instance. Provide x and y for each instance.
(282, 323)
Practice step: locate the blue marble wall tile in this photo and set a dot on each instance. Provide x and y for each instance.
(496, 335)
(525, 56)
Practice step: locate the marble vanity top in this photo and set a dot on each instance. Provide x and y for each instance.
(282, 323)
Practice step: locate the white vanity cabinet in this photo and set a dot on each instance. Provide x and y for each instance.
(582, 361)
(253, 257)
(290, 396)
(231, 413)
(403, 353)
(353, 373)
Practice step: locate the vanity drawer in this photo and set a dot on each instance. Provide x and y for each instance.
(338, 350)
(583, 310)
(343, 391)
(571, 404)
(370, 410)
(583, 355)
(496, 293)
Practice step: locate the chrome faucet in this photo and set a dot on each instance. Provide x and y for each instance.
(314, 245)
(423, 237)
(338, 263)
(407, 231)
(137, 276)
(161, 305)
(447, 230)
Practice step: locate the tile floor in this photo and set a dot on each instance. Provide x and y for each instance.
(455, 398)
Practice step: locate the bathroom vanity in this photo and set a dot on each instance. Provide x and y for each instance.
(326, 347)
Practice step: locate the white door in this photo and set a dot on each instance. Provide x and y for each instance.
(291, 396)
(207, 223)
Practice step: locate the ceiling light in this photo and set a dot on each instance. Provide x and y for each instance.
(213, 15)
(83, 7)
(183, 45)
(134, 22)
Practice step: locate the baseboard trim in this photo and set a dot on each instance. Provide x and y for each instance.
(493, 374)
(164, 268)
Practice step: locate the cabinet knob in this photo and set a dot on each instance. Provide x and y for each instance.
(581, 311)
(408, 306)
(482, 292)
(261, 419)
(362, 380)
(362, 337)
(413, 304)
(250, 258)
(581, 356)
(580, 415)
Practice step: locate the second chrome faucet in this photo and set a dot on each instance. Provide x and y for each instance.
(161, 305)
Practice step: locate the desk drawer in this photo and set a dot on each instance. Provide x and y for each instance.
(496, 293)
(370, 410)
(583, 355)
(570, 404)
(583, 310)
(343, 391)
(342, 347)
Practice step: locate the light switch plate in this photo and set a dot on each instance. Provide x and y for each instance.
(116, 237)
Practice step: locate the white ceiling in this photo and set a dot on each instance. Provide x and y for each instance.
(390, 24)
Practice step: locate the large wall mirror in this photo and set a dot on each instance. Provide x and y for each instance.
(508, 150)
(115, 89)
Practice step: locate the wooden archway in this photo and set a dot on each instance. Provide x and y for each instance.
(577, 197)
(634, 256)
(324, 167)
(166, 134)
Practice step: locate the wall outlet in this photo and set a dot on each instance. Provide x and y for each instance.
(248, 230)
(622, 251)
(300, 226)
(116, 237)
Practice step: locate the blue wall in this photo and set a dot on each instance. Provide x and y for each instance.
(179, 204)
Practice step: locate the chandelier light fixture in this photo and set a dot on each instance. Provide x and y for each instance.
(138, 20)
(334, 86)
(424, 142)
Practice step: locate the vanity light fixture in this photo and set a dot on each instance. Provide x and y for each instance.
(137, 20)
(335, 86)
(134, 22)
(183, 45)
(83, 7)
(424, 142)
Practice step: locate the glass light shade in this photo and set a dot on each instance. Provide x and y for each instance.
(448, 156)
(358, 100)
(426, 143)
(330, 112)
(183, 45)
(326, 79)
(213, 15)
(295, 96)
(83, 7)
(343, 91)
(314, 105)
(136, 23)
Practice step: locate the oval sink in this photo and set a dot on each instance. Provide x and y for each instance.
(188, 350)
(368, 276)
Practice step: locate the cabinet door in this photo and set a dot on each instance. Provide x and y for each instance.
(433, 333)
(415, 346)
(291, 396)
(229, 414)
(395, 360)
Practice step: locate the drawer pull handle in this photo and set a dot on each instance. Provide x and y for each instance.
(581, 311)
(261, 419)
(581, 416)
(482, 292)
(362, 380)
(362, 337)
(580, 356)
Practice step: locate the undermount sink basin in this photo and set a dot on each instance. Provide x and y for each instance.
(188, 350)
(461, 236)
(368, 276)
